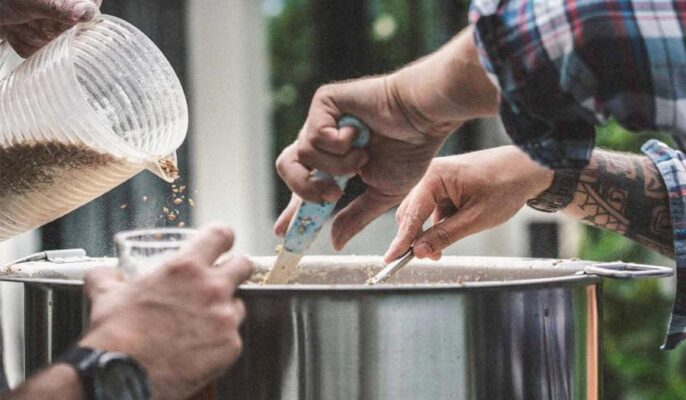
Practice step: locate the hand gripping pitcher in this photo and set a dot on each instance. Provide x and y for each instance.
(92, 109)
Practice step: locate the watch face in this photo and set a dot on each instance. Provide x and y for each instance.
(121, 379)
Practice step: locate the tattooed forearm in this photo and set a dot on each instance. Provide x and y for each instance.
(625, 194)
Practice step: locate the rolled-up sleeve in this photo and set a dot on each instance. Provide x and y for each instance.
(540, 115)
(672, 166)
(564, 68)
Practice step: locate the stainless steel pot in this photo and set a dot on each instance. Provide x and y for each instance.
(464, 328)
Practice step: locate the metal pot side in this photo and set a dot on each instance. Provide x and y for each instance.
(465, 328)
(539, 342)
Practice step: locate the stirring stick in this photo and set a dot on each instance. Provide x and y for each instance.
(310, 217)
(284, 268)
(391, 268)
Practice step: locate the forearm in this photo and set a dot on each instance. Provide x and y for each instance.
(57, 382)
(445, 88)
(625, 194)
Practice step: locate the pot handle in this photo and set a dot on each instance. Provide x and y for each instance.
(621, 270)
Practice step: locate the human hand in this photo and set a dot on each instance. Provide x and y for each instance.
(464, 195)
(29, 25)
(181, 321)
(394, 161)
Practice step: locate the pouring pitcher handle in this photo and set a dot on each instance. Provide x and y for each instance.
(621, 270)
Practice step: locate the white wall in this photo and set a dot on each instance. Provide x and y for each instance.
(231, 146)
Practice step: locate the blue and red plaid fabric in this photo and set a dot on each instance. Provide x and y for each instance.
(672, 166)
(564, 67)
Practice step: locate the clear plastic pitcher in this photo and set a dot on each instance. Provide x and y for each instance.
(84, 114)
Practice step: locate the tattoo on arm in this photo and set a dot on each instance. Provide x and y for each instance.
(625, 194)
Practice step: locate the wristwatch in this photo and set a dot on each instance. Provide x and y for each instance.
(108, 375)
(559, 194)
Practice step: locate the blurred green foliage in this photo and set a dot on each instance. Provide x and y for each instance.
(635, 313)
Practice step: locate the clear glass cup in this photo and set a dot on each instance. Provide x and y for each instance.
(142, 251)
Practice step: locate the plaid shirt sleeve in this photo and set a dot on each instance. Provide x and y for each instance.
(565, 67)
(672, 166)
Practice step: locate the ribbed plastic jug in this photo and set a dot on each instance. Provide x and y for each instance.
(84, 114)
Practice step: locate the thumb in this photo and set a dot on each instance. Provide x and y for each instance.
(358, 214)
(411, 215)
(65, 11)
(101, 280)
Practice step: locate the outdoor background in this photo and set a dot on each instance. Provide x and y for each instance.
(249, 69)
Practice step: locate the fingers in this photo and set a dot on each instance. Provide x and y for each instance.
(207, 245)
(335, 164)
(447, 232)
(332, 140)
(321, 146)
(284, 220)
(358, 214)
(229, 317)
(21, 47)
(84, 11)
(444, 209)
(28, 38)
(101, 280)
(239, 308)
(411, 215)
(66, 11)
(237, 269)
(300, 181)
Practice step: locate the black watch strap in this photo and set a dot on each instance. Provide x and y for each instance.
(94, 367)
(83, 359)
(559, 194)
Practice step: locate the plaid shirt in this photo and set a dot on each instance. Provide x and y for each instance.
(564, 67)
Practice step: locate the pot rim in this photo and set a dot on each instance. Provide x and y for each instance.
(252, 288)
(559, 273)
(518, 284)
